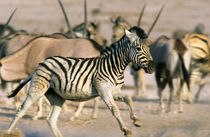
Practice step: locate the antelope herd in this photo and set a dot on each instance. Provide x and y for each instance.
(78, 65)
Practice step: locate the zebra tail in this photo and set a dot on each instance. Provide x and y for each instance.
(185, 72)
(19, 87)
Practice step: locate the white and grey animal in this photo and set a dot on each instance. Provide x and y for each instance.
(172, 60)
(81, 79)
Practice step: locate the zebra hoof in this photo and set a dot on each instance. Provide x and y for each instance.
(128, 133)
(137, 123)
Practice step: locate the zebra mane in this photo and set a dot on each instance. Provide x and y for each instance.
(139, 32)
(115, 46)
(125, 40)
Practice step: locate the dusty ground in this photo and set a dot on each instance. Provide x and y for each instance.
(46, 16)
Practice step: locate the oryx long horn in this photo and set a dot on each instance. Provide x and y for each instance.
(85, 20)
(66, 18)
(141, 14)
(155, 20)
(6, 25)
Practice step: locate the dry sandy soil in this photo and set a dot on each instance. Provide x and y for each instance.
(46, 16)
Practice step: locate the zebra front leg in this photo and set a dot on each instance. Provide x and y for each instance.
(128, 100)
(52, 120)
(109, 101)
(170, 95)
(56, 104)
(78, 111)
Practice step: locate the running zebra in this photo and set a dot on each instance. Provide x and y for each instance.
(200, 61)
(81, 79)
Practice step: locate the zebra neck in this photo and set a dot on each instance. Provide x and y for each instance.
(117, 55)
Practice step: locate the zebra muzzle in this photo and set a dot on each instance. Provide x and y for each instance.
(150, 68)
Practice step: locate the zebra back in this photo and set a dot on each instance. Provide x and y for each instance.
(199, 46)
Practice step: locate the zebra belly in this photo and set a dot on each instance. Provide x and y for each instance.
(78, 94)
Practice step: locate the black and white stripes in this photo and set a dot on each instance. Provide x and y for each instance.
(200, 60)
(73, 74)
(80, 79)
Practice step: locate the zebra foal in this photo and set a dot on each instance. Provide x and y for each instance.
(85, 78)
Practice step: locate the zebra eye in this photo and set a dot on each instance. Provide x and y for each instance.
(138, 49)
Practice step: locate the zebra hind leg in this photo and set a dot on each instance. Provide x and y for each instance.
(33, 95)
(170, 94)
(201, 85)
(128, 100)
(56, 104)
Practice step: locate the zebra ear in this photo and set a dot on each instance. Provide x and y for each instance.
(128, 33)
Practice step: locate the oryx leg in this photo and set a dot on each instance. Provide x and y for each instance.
(95, 109)
(78, 111)
(81, 106)
(136, 82)
(142, 82)
(39, 113)
(65, 107)
(56, 104)
(106, 95)
(128, 100)
(35, 92)
(17, 100)
(171, 90)
(161, 84)
(201, 85)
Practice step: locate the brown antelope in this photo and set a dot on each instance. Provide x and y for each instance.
(31, 52)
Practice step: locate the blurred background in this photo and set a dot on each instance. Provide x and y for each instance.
(45, 16)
